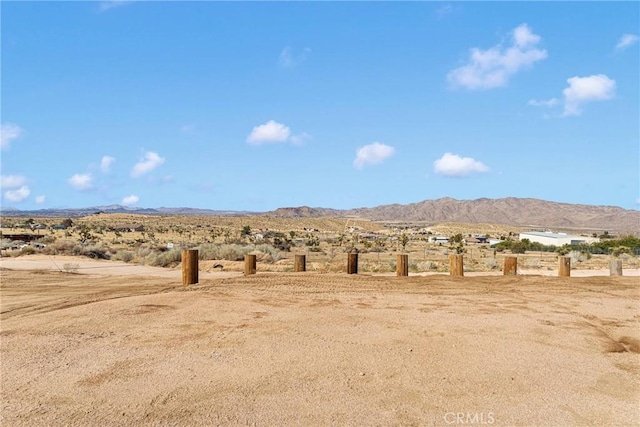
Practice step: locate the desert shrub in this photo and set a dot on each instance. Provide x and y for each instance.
(60, 247)
(95, 252)
(577, 256)
(125, 256)
(529, 262)
(144, 251)
(229, 252)
(491, 264)
(427, 265)
(269, 250)
(413, 266)
(27, 250)
(166, 258)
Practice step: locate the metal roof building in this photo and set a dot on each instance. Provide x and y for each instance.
(556, 239)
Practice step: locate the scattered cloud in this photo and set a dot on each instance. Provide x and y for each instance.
(149, 162)
(40, 200)
(187, 128)
(586, 89)
(81, 181)
(491, 68)
(300, 139)
(130, 200)
(105, 163)
(544, 103)
(17, 195)
(9, 132)
(372, 154)
(110, 4)
(444, 10)
(287, 58)
(270, 132)
(452, 165)
(626, 40)
(12, 181)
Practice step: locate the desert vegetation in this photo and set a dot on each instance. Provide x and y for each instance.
(158, 240)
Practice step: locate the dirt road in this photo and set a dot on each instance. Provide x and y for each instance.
(318, 349)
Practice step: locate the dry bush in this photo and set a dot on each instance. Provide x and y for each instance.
(168, 258)
(491, 264)
(28, 250)
(577, 256)
(60, 247)
(126, 256)
(427, 265)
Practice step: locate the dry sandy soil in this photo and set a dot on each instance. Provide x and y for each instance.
(127, 346)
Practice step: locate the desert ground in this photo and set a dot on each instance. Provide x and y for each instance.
(122, 344)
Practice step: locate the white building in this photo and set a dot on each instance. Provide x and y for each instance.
(557, 239)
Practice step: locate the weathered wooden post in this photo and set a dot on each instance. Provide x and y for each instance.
(300, 263)
(249, 264)
(615, 267)
(564, 266)
(402, 265)
(352, 263)
(189, 266)
(510, 266)
(456, 265)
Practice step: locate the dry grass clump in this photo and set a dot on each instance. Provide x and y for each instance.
(69, 247)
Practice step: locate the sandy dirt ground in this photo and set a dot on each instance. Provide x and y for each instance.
(104, 348)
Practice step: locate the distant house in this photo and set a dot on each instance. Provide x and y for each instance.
(556, 239)
(442, 240)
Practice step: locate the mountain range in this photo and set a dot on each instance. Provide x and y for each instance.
(525, 212)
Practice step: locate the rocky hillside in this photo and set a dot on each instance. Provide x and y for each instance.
(511, 210)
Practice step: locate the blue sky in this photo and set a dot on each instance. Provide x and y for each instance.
(259, 105)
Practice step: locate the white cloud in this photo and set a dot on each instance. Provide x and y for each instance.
(444, 10)
(81, 181)
(288, 59)
(40, 200)
(585, 89)
(9, 132)
(372, 154)
(300, 138)
(106, 5)
(12, 181)
(491, 68)
(130, 200)
(106, 163)
(543, 103)
(452, 165)
(150, 161)
(269, 132)
(17, 195)
(626, 40)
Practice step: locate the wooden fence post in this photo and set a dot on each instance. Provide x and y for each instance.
(189, 266)
(352, 263)
(402, 265)
(456, 265)
(300, 263)
(510, 266)
(564, 266)
(615, 267)
(249, 264)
